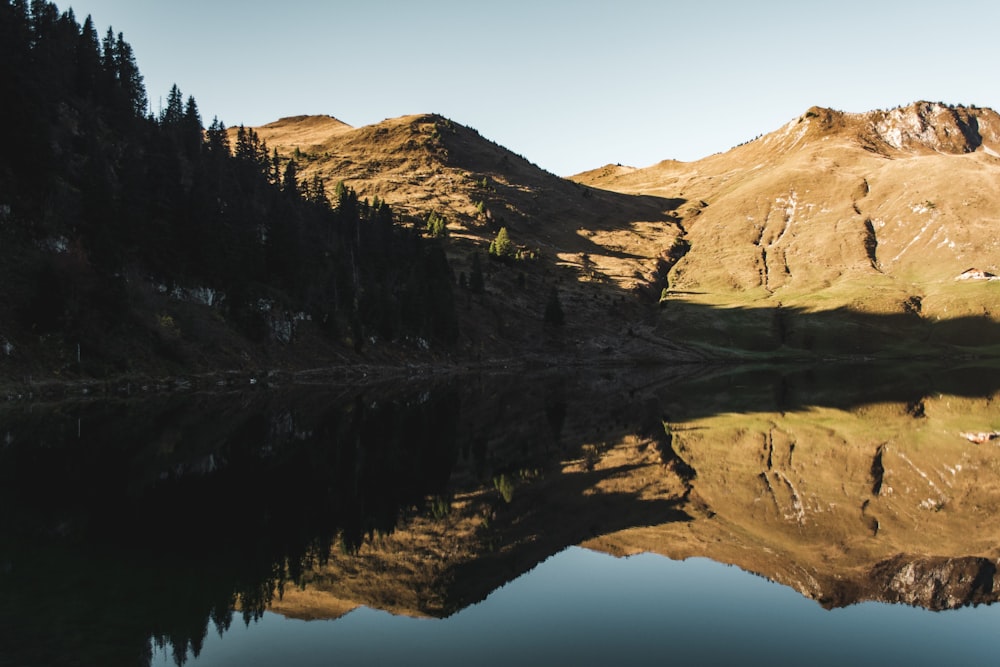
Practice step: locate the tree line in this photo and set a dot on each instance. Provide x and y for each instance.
(100, 198)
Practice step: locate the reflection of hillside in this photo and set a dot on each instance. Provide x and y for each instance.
(883, 501)
(846, 484)
(787, 492)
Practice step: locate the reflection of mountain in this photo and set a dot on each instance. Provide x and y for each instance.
(881, 501)
(160, 519)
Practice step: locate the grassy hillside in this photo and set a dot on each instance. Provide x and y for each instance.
(602, 252)
(835, 225)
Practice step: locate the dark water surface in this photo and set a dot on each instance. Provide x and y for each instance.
(831, 515)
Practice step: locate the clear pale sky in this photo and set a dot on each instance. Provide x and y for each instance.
(571, 85)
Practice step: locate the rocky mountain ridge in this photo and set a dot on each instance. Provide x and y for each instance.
(917, 128)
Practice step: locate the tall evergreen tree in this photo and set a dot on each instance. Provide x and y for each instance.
(129, 78)
(191, 130)
(172, 114)
(88, 60)
(290, 179)
(108, 53)
(217, 138)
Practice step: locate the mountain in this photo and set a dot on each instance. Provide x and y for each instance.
(838, 233)
(602, 252)
(876, 217)
(427, 163)
(138, 244)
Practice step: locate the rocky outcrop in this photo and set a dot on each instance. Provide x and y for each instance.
(935, 126)
(935, 583)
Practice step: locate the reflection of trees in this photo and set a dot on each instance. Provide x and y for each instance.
(160, 520)
(191, 540)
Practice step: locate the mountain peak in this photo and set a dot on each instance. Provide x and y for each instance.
(320, 120)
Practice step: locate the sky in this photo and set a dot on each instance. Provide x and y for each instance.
(570, 85)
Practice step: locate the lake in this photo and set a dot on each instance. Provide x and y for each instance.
(704, 515)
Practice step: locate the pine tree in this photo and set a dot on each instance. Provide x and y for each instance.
(108, 52)
(317, 191)
(501, 247)
(88, 60)
(436, 225)
(129, 78)
(190, 128)
(217, 138)
(173, 113)
(290, 182)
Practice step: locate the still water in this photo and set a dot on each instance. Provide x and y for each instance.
(829, 515)
(586, 608)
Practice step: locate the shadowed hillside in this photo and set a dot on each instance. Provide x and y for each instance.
(602, 252)
(426, 164)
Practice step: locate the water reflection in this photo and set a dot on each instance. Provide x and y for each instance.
(126, 522)
(586, 608)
